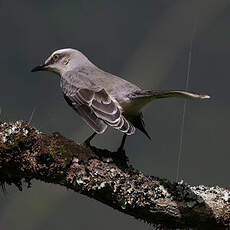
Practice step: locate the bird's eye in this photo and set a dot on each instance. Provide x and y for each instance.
(55, 57)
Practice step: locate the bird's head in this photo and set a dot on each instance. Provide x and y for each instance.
(62, 61)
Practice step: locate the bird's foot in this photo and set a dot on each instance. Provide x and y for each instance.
(121, 150)
(88, 140)
(87, 143)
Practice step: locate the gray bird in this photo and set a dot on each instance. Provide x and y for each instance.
(101, 98)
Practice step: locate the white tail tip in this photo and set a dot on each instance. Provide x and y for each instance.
(204, 96)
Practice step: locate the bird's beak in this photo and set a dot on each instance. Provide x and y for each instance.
(39, 68)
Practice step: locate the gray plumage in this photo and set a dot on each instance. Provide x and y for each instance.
(101, 98)
(93, 100)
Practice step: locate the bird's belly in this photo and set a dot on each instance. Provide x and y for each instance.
(134, 106)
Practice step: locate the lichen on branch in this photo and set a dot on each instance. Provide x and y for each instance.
(26, 154)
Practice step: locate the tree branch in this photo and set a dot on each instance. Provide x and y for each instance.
(27, 154)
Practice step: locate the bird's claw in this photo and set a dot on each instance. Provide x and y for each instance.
(121, 150)
(86, 143)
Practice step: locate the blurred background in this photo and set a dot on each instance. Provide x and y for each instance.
(146, 42)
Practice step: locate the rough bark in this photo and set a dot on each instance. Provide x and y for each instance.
(26, 154)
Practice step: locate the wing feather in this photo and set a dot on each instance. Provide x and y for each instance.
(96, 107)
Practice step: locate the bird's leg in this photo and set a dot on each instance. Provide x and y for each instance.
(87, 141)
(121, 148)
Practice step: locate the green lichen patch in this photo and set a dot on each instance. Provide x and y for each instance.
(59, 149)
(59, 152)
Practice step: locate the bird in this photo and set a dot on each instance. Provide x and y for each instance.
(101, 98)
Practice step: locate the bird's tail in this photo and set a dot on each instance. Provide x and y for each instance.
(180, 94)
(141, 98)
(132, 111)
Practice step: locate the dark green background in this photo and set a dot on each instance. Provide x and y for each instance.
(146, 42)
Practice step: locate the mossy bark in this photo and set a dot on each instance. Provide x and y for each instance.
(26, 154)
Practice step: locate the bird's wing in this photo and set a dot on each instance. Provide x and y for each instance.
(96, 107)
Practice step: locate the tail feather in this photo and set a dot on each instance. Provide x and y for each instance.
(165, 94)
(138, 123)
(182, 94)
(140, 98)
